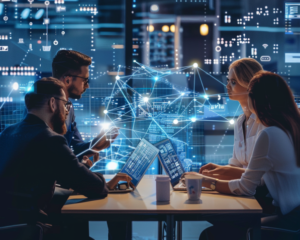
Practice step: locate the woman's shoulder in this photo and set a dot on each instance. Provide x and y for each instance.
(274, 132)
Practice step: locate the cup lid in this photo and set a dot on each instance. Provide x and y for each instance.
(193, 176)
(162, 178)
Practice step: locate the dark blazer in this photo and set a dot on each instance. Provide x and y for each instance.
(33, 158)
(73, 136)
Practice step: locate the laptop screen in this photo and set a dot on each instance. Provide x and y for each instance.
(170, 161)
(139, 161)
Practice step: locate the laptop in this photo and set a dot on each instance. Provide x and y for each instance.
(171, 164)
(138, 163)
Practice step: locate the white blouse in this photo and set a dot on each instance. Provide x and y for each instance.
(242, 153)
(274, 159)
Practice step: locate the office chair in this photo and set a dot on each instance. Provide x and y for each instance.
(21, 232)
(275, 233)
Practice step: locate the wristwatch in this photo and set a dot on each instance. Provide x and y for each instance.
(213, 185)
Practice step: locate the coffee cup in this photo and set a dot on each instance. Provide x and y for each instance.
(193, 186)
(162, 188)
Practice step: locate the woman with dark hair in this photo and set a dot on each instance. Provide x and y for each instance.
(276, 155)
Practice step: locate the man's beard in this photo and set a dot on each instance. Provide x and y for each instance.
(72, 94)
(58, 123)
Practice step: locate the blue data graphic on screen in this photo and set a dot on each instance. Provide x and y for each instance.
(140, 160)
(170, 161)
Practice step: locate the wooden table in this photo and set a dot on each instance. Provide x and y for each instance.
(141, 205)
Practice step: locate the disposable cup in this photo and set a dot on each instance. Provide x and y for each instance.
(162, 188)
(193, 186)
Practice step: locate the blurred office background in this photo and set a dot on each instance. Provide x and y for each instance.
(129, 39)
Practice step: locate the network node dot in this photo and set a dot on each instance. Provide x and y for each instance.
(105, 126)
(112, 166)
(117, 78)
(193, 119)
(105, 111)
(146, 99)
(231, 121)
(175, 121)
(15, 86)
(195, 65)
(156, 78)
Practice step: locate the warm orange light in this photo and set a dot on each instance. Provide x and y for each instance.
(172, 28)
(150, 28)
(117, 46)
(204, 29)
(165, 28)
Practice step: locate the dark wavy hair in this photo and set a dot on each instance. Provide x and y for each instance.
(69, 62)
(274, 105)
(41, 91)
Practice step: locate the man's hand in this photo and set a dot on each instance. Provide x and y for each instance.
(88, 162)
(222, 172)
(119, 177)
(103, 140)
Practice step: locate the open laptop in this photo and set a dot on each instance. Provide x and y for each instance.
(138, 163)
(171, 164)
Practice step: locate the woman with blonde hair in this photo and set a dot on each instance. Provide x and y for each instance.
(246, 127)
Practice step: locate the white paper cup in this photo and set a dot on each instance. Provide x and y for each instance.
(162, 188)
(193, 186)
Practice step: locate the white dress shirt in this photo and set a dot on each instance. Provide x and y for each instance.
(242, 152)
(274, 159)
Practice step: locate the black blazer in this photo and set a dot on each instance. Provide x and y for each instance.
(33, 158)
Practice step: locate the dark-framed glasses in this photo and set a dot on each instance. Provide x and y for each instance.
(85, 80)
(68, 104)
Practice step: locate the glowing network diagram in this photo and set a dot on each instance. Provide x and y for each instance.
(158, 110)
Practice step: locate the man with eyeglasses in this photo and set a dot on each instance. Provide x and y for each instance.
(72, 68)
(34, 155)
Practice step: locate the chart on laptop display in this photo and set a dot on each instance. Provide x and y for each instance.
(162, 77)
(139, 161)
(169, 160)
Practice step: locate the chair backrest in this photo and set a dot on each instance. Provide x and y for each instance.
(15, 205)
(21, 232)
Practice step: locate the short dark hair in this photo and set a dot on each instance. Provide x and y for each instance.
(69, 62)
(41, 91)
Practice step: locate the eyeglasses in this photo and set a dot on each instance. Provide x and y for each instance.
(85, 80)
(67, 103)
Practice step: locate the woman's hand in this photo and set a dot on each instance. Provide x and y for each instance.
(222, 172)
(209, 166)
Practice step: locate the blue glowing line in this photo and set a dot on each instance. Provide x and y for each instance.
(182, 129)
(6, 98)
(213, 77)
(126, 99)
(201, 81)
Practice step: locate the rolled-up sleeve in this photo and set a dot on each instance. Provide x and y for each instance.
(258, 165)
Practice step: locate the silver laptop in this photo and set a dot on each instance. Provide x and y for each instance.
(172, 164)
(138, 163)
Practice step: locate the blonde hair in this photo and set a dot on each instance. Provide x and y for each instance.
(244, 69)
